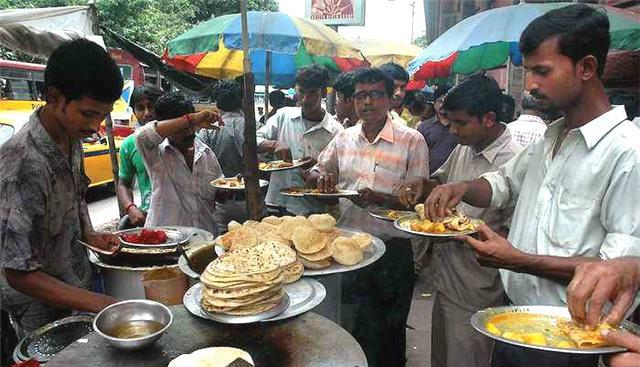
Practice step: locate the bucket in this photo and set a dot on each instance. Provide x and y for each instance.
(165, 285)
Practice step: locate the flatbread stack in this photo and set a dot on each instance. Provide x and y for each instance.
(245, 281)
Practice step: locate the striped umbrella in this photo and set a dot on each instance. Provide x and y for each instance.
(214, 48)
(490, 38)
(378, 52)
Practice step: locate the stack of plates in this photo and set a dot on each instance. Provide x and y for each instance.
(247, 281)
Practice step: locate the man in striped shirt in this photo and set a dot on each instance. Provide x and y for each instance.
(375, 157)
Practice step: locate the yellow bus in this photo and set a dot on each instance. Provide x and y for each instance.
(22, 91)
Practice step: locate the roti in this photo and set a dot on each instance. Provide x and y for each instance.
(211, 357)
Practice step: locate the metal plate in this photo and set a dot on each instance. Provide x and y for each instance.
(383, 214)
(480, 318)
(338, 194)
(174, 237)
(263, 183)
(296, 164)
(45, 342)
(375, 252)
(191, 301)
(196, 235)
(298, 193)
(402, 224)
(304, 295)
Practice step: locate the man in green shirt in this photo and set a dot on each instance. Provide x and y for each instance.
(142, 101)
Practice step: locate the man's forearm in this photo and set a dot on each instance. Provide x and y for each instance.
(478, 193)
(267, 146)
(124, 193)
(551, 267)
(54, 292)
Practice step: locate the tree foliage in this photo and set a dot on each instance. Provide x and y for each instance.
(150, 23)
(421, 41)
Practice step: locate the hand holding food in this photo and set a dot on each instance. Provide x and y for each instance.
(595, 284)
(327, 183)
(282, 151)
(108, 242)
(410, 192)
(442, 199)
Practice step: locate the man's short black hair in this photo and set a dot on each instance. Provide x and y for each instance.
(476, 95)
(372, 76)
(173, 105)
(228, 95)
(276, 99)
(344, 84)
(148, 91)
(81, 68)
(581, 31)
(508, 108)
(313, 77)
(395, 71)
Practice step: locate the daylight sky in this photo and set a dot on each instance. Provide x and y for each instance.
(384, 19)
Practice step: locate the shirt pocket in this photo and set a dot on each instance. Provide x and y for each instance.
(570, 216)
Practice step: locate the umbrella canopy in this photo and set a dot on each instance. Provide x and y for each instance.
(381, 52)
(488, 39)
(214, 48)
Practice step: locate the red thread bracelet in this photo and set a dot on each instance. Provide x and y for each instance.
(186, 117)
(126, 209)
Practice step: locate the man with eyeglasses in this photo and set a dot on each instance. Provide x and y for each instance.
(375, 158)
(299, 133)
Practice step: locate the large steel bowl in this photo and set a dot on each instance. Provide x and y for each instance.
(132, 310)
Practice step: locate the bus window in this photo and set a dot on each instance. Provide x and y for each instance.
(126, 71)
(17, 89)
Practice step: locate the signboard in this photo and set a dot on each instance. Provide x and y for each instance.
(336, 12)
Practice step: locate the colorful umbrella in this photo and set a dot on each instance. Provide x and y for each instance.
(380, 52)
(488, 39)
(214, 48)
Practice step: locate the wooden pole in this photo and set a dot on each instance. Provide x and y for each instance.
(254, 199)
(267, 82)
(114, 156)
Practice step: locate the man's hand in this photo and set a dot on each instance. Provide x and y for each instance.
(365, 197)
(282, 151)
(631, 358)
(411, 192)
(326, 183)
(206, 119)
(103, 240)
(492, 249)
(136, 216)
(442, 199)
(594, 284)
(308, 162)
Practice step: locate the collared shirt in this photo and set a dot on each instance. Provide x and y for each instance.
(458, 275)
(527, 129)
(582, 202)
(395, 117)
(439, 140)
(396, 155)
(131, 165)
(41, 196)
(227, 142)
(287, 126)
(181, 197)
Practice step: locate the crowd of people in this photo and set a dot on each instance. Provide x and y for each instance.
(554, 187)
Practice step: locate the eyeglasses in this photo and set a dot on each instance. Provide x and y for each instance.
(374, 94)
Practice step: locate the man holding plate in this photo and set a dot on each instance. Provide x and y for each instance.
(575, 191)
(463, 286)
(375, 158)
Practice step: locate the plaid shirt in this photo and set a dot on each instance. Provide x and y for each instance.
(396, 155)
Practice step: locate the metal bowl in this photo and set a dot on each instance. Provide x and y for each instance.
(124, 312)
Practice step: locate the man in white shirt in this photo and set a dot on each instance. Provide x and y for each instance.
(181, 167)
(530, 126)
(575, 191)
(299, 133)
(463, 286)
